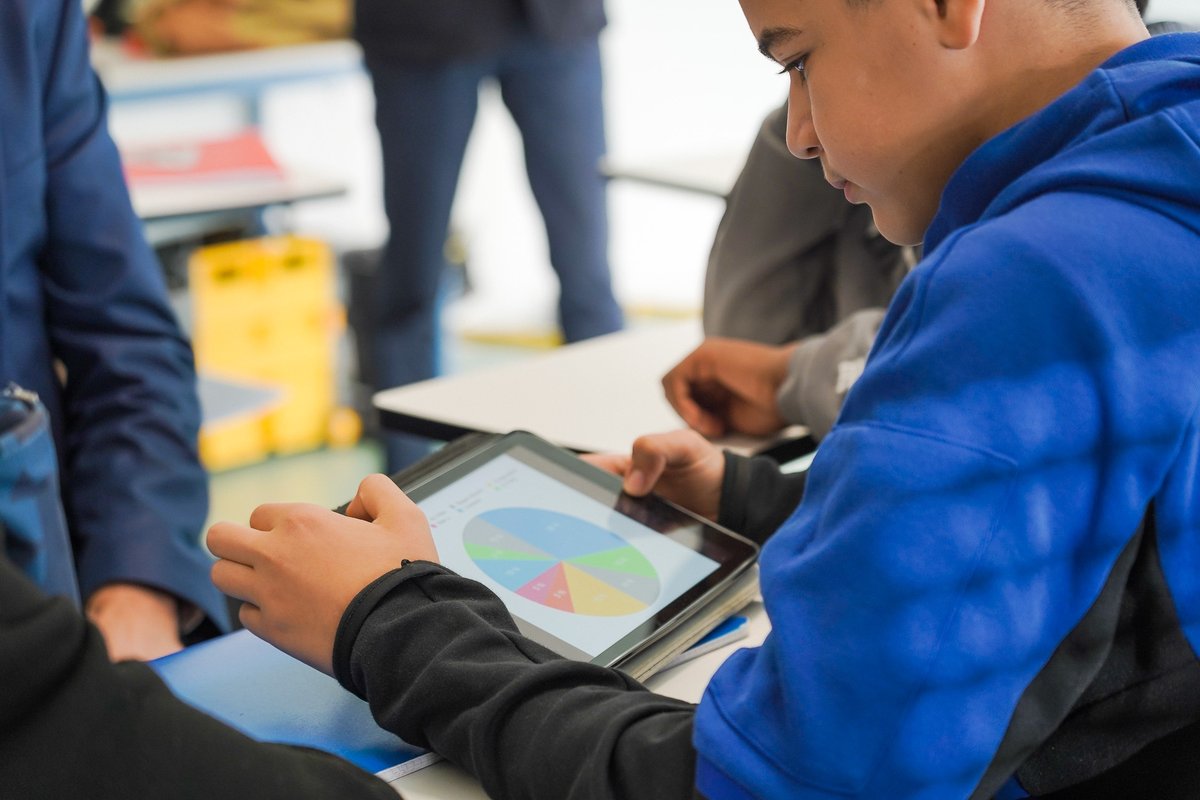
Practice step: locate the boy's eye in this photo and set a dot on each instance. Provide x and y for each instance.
(796, 65)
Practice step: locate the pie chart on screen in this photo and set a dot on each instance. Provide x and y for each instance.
(561, 561)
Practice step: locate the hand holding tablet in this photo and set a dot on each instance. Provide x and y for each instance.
(583, 568)
(297, 566)
(680, 466)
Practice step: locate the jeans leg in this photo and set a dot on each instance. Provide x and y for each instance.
(424, 116)
(554, 93)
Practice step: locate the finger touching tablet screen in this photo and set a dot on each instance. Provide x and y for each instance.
(584, 569)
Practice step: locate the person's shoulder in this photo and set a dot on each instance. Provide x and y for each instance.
(1068, 230)
(1064, 261)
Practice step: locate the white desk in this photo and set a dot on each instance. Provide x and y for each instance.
(181, 199)
(224, 399)
(712, 174)
(245, 74)
(593, 396)
(443, 781)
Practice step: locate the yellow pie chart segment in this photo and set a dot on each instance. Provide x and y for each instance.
(597, 598)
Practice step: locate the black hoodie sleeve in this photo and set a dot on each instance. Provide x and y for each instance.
(442, 664)
(756, 497)
(74, 725)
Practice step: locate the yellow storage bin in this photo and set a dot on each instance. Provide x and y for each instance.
(301, 420)
(241, 286)
(299, 272)
(264, 310)
(227, 445)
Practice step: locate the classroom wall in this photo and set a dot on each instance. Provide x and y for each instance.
(1180, 10)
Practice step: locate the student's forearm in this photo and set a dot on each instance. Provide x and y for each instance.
(821, 369)
(756, 497)
(442, 664)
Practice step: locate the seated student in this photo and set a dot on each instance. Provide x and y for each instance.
(796, 284)
(794, 294)
(990, 588)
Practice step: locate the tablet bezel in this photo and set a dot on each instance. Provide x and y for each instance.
(732, 553)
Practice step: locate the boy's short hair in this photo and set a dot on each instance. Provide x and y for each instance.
(1081, 4)
(1139, 4)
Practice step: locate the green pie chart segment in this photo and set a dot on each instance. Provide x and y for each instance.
(561, 561)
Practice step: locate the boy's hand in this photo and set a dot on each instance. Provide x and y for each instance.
(682, 466)
(298, 566)
(137, 622)
(729, 385)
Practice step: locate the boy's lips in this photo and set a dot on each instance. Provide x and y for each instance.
(841, 183)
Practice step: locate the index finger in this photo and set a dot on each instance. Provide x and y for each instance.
(268, 515)
(233, 542)
(378, 496)
(677, 385)
(616, 463)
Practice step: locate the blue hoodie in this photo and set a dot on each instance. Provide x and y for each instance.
(970, 531)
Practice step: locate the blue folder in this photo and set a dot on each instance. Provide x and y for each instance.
(270, 696)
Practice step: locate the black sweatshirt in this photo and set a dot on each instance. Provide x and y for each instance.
(74, 725)
(442, 664)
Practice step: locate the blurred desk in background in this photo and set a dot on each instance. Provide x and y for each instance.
(711, 175)
(593, 396)
(225, 400)
(186, 211)
(245, 74)
(177, 200)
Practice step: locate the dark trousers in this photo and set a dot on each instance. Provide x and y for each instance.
(424, 115)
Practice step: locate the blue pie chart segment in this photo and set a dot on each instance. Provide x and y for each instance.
(561, 561)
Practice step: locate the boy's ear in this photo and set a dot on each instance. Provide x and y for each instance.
(957, 22)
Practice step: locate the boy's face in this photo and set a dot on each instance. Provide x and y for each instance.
(880, 100)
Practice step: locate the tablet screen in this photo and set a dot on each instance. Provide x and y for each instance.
(582, 568)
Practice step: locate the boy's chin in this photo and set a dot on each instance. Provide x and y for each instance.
(899, 228)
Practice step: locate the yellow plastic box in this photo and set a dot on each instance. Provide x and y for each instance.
(265, 310)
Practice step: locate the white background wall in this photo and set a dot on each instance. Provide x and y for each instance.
(1181, 10)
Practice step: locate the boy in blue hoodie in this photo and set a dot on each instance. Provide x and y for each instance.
(992, 585)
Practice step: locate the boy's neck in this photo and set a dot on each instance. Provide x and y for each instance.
(1033, 74)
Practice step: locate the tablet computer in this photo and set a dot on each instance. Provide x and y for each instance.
(585, 570)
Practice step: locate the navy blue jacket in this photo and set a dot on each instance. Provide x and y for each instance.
(439, 31)
(79, 286)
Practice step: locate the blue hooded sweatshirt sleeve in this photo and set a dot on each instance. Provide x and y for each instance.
(1033, 388)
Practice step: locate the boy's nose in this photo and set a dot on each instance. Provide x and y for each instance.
(802, 139)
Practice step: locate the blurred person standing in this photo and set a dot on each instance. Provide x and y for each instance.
(85, 326)
(426, 62)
